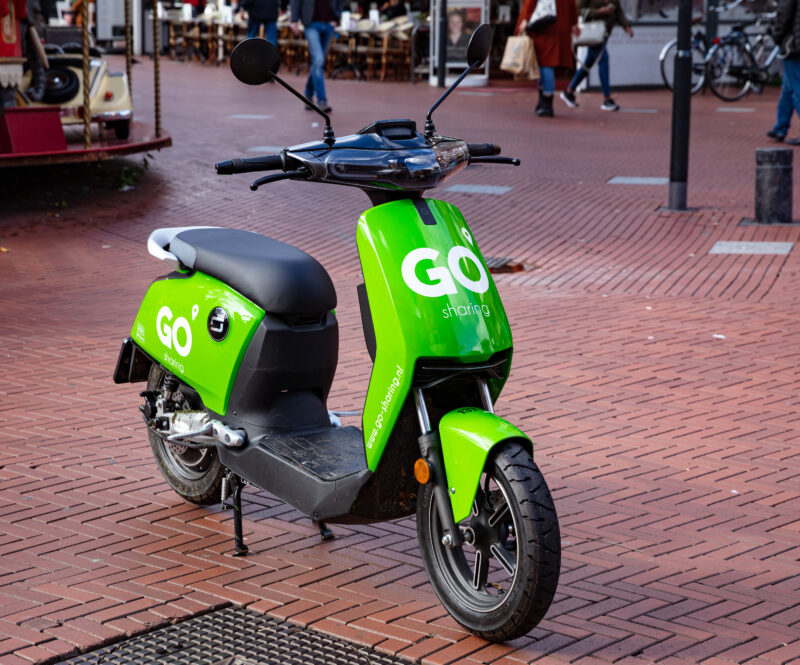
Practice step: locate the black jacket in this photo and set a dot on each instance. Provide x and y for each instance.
(588, 10)
(263, 10)
(304, 10)
(787, 28)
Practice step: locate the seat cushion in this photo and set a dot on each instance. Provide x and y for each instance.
(277, 277)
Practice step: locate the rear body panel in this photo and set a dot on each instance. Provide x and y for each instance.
(174, 324)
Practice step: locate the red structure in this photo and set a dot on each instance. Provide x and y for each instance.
(32, 130)
(35, 135)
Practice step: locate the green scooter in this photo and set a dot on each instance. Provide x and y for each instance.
(239, 344)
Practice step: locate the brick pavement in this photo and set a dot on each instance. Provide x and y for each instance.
(658, 382)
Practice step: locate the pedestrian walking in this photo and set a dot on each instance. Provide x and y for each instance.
(611, 13)
(319, 17)
(553, 46)
(784, 113)
(263, 12)
(392, 9)
(787, 34)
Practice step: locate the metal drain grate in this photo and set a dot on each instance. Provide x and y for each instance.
(234, 636)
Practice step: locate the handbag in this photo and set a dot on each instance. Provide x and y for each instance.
(543, 16)
(519, 58)
(593, 33)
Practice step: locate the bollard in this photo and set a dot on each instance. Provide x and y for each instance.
(773, 186)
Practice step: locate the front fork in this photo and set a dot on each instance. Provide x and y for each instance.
(430, 448)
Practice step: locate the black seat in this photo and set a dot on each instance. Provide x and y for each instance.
(277, 277)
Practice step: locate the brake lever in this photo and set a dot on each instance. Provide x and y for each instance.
(514, 161)
(279, 176)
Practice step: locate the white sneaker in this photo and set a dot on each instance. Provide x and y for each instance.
(569, 99)
(609, 105)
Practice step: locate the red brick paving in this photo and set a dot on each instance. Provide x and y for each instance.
(672, 452)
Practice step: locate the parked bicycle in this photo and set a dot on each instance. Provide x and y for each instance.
(737, 66)
(701, 54)
(667, 60)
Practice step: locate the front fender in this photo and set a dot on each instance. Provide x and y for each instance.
(467, 435)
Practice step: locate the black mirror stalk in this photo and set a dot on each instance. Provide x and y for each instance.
(430, 129)
(478, 49)
(327, 134)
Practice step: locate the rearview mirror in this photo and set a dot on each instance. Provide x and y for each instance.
(254, 61)
(480, 45)
(478, 49)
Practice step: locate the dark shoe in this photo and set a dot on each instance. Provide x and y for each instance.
(540, 103)
(775, 136)
(309, 108)
(569, 99)
(326, 108)
(547, 107)
(793, 141)
(609, 105)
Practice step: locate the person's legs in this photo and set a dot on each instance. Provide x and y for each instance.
(547, 80)
(315, 51)
(547, 86)
(271, 32)
(783, 114)
(252, 27)
(325, 36)
(791, 74)
(592, 53)
(602, 70)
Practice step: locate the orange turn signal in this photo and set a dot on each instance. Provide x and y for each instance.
(422, 471)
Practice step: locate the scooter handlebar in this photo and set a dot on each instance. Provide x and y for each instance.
(483, 149)
(250, 165)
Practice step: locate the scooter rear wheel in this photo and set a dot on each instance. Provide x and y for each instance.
(195, 474)
(499, 584)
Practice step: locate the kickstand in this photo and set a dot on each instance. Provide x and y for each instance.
(238, 486)
(324, 531)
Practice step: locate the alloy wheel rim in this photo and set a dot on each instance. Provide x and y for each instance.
(481, 574)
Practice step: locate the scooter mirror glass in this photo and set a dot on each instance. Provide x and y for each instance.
(254, 61)
(480, 45)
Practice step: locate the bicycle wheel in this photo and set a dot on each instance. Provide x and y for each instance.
(667, 63)
(762, 51)
(730, 70)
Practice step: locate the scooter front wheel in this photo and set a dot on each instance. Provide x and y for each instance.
(499, 584)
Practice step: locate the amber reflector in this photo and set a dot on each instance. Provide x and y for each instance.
(422, 472)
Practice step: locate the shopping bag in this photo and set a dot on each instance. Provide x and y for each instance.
(519, 58)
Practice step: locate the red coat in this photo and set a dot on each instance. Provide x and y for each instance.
(553, 44)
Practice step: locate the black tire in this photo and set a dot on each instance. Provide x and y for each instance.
(195, 474)
(61, 85)
(762, 49)
(512, 493)
(122, 128)
(667, 65)
(730, 70)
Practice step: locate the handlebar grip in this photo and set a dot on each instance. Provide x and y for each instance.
(483, 149)
(250, 164)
